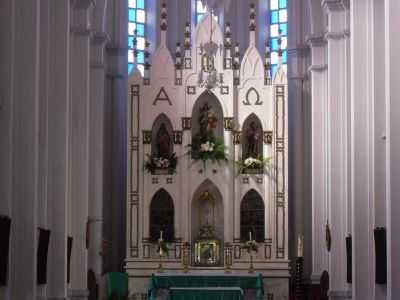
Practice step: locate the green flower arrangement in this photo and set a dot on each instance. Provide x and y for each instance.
(167, 164)
(250, 163)
(212, 149)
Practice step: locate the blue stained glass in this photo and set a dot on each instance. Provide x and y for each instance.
(132, 15)
(282, 3)
(284, 57)
(274, 44)
(130, 42)
(274, 17)
(140, 4)
(199, 17)
(140, 57)
(130, 67)
(284, 29)
(140, 29)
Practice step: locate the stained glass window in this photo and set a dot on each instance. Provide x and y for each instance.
(136, 27)
(201, 10)
(278, 16)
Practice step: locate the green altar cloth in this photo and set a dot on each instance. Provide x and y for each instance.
(168, 281)
(209, 293)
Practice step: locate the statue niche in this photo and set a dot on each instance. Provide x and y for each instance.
(207, 225)
(163, 159)
(207, 118)
(252, 138)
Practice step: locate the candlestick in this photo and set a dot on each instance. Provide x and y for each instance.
(250, 235)
(161, 235)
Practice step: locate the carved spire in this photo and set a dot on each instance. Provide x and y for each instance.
(236, 65)
(227, 36)
(187, 45)
(267, 63)
(164, 17)
(252, 26)
(163, 25)
(146, 60)
(252, 17)
(178, 56)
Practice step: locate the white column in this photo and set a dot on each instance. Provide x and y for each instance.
(392, 74)
(319, 152)
(25, 98)
(96, 150)
(79, 146)
(58, 123)
(362, 148)
(337, 160)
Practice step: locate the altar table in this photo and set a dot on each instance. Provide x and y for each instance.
(206, 293)
(172, 281)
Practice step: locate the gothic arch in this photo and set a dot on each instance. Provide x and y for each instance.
(252, 137)
(218, 214)
(212, 100)
(161, 124)
(162, 216)
(252, 216)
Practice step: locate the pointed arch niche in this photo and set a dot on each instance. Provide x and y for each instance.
(211, 119)
(252, 217)
(252, 137)
(162, 216)
(162, 144)
(207, 225)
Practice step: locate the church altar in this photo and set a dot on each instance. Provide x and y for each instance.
(207, 286)
(208, 165)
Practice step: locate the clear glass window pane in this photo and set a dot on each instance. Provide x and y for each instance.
(141, 16)
(140, 43)
(132, 3)
(284, 43)
(200, 8)
(274, 30)
(131, 58)
(131, 28)
(274, 58)
(282, 3)
(141, 68)
(274, 4)
(283, 15)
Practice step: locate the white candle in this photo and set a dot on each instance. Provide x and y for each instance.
(250, 235)
(300, 246)
(161, 238)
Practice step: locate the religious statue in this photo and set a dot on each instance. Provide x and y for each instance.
(163, 142)
(252, 139)
(207, 208)
(207, 121)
